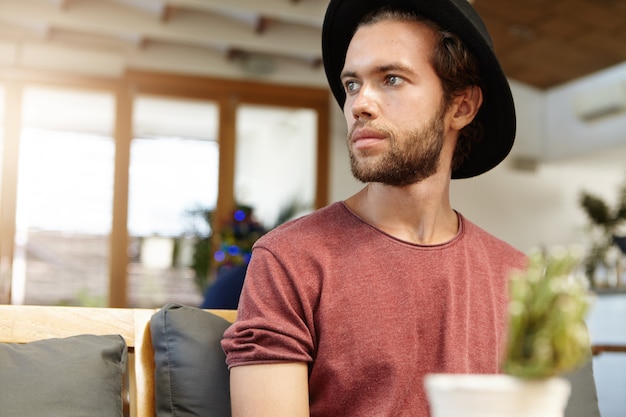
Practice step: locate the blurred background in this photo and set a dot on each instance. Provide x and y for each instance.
(133, 130)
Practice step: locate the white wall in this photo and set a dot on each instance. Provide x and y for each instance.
(540, 208)
(567, 134)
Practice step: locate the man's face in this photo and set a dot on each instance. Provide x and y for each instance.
(394, 104)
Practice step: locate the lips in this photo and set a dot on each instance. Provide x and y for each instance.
(366, 134)
(366, 138)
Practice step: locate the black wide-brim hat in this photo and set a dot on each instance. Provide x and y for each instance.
(497, 114)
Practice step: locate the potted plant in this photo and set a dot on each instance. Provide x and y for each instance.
(232, 246)
(547, 337)
(606, 226)
(235, 237)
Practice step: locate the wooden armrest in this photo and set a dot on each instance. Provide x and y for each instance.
(598, 349)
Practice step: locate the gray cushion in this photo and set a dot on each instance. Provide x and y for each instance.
(192, 378)
(79, 376)
(583, 401)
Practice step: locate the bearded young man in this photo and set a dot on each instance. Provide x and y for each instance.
(346, 310)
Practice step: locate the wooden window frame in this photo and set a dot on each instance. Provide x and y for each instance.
(228, 94)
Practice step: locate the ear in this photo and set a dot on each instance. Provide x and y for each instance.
(466, 106)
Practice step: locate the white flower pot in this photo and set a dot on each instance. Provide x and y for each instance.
(460, 395)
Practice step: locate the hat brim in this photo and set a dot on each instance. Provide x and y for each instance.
(497, 113)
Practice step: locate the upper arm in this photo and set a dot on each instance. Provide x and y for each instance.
(270, 390)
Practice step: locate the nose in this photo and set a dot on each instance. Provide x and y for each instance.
(363, 104)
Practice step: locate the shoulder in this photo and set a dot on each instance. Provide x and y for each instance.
(323, 223)
(487, 245)
(481, 237)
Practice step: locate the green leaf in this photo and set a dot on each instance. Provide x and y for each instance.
(547, 334)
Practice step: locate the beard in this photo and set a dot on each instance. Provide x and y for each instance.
(412, 157)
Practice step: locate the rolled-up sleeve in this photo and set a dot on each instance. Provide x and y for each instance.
(274, 320)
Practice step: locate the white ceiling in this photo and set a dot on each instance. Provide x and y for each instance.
(278, 40)
(541, 43)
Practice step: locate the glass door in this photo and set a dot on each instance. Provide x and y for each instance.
(64, 198)
(276, 159)
(173, 181)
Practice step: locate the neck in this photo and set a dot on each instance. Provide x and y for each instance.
(419, 213)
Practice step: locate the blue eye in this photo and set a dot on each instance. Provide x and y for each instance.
(394, 80)
(351, 86)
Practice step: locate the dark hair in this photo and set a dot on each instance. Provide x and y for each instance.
(455, 65)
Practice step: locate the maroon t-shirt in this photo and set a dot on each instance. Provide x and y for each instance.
(371, 314)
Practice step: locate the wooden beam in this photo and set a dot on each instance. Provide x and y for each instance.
(263, 24)
(316, 63)
(64, 4)
(142, 43)
(235, 54)
(598, 349)
(167, 14)
(118, 261)
(8, 192)
(227, 144)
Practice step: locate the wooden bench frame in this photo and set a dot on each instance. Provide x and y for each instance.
(23, 324)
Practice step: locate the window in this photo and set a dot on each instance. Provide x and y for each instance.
(100, 177)
(173, 172)
(276, 156)
(64, 198)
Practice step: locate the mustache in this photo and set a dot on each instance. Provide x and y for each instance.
(359, 124)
